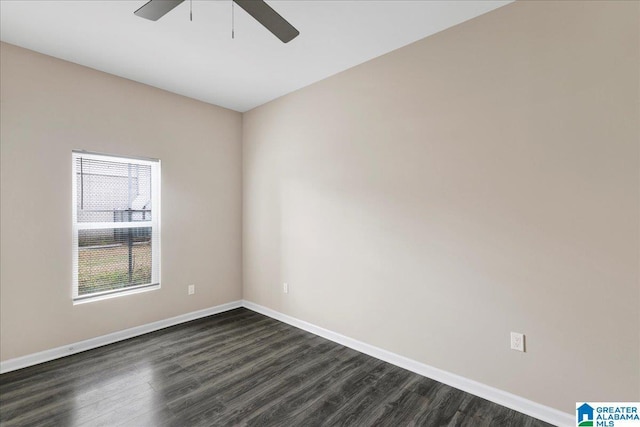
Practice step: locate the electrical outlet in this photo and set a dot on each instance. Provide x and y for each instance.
(285, 288)
(517, 341)
(192, 289)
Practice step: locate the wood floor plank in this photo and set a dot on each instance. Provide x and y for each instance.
(342, 401)
(292, 388)
(271, 356)
(236, 368)
(391, 397)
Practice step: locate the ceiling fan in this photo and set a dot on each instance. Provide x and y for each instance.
(258, 9)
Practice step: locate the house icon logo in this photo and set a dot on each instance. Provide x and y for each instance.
(585, 415)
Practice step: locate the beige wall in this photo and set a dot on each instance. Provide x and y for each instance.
(50, 107)
(480, 181)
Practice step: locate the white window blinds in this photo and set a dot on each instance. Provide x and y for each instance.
(116, 228)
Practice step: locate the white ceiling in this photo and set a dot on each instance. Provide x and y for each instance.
(200, 60)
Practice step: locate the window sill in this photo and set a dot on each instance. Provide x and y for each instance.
(116, 294)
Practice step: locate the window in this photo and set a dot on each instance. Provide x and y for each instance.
(116, 225)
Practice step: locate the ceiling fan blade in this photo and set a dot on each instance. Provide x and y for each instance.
(272, 21)
(156, 9)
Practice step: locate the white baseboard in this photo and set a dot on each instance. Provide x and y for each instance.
(484, 391)
(56, 353)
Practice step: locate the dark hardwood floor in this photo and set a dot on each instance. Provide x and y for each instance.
(235, 368)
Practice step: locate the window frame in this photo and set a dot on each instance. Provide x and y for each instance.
(154, 224)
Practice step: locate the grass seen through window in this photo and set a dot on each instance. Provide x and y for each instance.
(106, 267)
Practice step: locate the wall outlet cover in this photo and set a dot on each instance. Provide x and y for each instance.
(517, 341)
